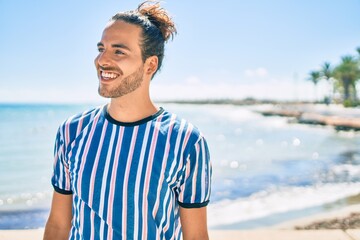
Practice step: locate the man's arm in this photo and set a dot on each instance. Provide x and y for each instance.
(193, 222)
(59, 222)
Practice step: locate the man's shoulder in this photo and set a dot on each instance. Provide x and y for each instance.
(87, 114)
(80, 120)
(184, 126)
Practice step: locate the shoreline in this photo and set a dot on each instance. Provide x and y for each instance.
(338, 117)
(352, 234)
(289, 220)
(295, 224)
(304, 112)
(282, 231)
(24, 219)
(339, 209)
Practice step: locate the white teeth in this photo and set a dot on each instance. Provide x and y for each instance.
(109, 75)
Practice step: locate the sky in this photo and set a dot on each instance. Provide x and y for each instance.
(224, 49)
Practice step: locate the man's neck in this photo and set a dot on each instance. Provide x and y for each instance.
(130, 108)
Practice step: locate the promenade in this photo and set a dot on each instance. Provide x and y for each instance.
(317, 114)
(352, 234)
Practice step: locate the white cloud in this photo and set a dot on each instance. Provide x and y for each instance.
(192, 80)
(258, 72)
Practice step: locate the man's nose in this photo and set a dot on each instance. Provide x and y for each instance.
(102, 59)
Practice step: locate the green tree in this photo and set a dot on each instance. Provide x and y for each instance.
(314, 77)
(347, 73)
(326, 70)
(358, 50)
(327, 73)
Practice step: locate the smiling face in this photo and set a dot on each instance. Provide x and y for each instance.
(119, 65)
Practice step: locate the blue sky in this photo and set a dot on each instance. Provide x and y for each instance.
(228, 48)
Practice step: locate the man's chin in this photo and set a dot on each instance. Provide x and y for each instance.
(104, 93)
(107, 94)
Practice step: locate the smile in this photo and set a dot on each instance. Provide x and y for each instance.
(108, 75)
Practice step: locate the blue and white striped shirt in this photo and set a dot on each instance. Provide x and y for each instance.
(128, 179)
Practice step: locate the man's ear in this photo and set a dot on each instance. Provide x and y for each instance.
(151, 65)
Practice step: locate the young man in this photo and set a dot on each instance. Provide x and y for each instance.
(130, 170)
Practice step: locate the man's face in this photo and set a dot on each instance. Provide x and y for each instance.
(119, 64)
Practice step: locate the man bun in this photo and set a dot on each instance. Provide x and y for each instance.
(159, 17)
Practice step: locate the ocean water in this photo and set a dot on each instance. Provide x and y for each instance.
(265, 169)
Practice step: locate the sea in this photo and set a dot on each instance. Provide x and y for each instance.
(266, 170)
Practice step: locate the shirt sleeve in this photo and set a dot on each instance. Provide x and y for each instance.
(61, 177)
(195, 185)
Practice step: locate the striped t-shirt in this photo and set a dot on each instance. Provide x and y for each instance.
(128, 179)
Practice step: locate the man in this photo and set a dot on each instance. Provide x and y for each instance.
(130, 170)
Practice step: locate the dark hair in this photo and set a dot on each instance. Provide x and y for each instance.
(157, 28)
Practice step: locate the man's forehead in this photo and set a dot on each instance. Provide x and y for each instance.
(120, 34)
(120, 26)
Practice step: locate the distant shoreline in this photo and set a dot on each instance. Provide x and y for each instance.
(299, 110)
(247, 101)
(235, 102)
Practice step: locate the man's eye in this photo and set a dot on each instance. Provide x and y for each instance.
(100, 49)
(119, 52)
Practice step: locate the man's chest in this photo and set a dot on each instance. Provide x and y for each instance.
(124, 168)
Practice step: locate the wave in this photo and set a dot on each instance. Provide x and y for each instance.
(25, 201)
(285, 199)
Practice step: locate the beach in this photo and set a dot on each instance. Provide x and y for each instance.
(226, 235)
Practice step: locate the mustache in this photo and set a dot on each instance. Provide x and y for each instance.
(110, 68)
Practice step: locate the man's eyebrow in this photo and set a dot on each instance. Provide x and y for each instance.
(116, 45)
(120, 45)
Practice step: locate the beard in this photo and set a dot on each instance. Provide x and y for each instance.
(124, 86)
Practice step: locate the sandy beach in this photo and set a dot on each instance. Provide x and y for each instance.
(321, 217)
(226, 235)
(352, 234)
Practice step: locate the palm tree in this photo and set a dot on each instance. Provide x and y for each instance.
(358, 58)
(314, 77)
(326, 71)
(358, 50)
(327, 74)
(347, 73)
